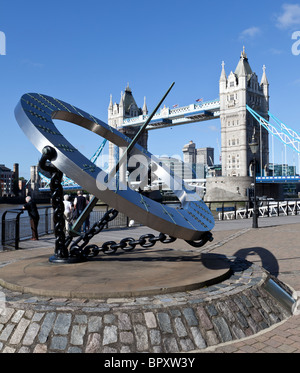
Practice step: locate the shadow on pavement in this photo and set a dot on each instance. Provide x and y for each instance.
(268, 260)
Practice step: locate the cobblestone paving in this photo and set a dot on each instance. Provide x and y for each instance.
(178, 322)
(236, 316)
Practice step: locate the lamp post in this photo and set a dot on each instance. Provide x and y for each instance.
(254, 145)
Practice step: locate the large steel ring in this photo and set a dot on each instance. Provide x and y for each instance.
(35, 113)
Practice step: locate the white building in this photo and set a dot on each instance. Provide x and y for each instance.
(239, 89)
(7, 178)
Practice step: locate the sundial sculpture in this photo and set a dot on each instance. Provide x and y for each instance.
(192, 221)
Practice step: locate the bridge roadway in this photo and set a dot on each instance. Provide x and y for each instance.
(173, 117)
(278, 179)
(38, 324)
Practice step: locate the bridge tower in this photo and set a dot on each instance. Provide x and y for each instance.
(238, 89)
(127, 108)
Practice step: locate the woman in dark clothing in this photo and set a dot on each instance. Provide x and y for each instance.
(79, 205)
(34, 216)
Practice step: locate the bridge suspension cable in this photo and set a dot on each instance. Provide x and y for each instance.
(67, 182)
(285, 128)
(98, 152)
(284, 134)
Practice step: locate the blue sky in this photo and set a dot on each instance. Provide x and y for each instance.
(83, 51)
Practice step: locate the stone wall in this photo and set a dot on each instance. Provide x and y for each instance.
(235, 189)
(227, 188)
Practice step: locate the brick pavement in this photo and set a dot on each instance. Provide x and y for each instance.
(277, 249)
(164, 323)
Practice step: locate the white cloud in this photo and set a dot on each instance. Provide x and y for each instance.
(213, 128)
(30, 63)
(276, 51)
(296, 82)
(290, 16)
(250, 32)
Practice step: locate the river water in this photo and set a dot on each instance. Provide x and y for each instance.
(4, 207)
(25, 229)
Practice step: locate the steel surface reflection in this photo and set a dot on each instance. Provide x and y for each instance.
(35, 113)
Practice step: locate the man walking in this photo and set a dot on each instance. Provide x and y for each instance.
(79, 205)
(34, 216)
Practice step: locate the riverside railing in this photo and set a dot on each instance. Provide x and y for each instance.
(224, 210)
(15, 226)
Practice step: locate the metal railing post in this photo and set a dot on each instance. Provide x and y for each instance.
(17, 230)
(46, 220)
(17, 227)
(3, 229)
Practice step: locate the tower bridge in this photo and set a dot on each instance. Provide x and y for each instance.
(242, 107)
(237, 90)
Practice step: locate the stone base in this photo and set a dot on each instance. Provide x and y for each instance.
(180, 321)
(137, 273)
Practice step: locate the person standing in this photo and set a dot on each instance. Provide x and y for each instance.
(67, 212)
(79, 205)
(86, 226)
(30, 207)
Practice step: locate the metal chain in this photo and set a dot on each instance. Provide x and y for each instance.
(84, 250)
(126, 244)
(110, 247)
(77, 249)
(49, 153)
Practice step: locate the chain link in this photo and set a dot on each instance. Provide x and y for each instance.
(61, 245)
(127, 244)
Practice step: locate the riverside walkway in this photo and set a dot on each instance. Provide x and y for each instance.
(167, 322)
